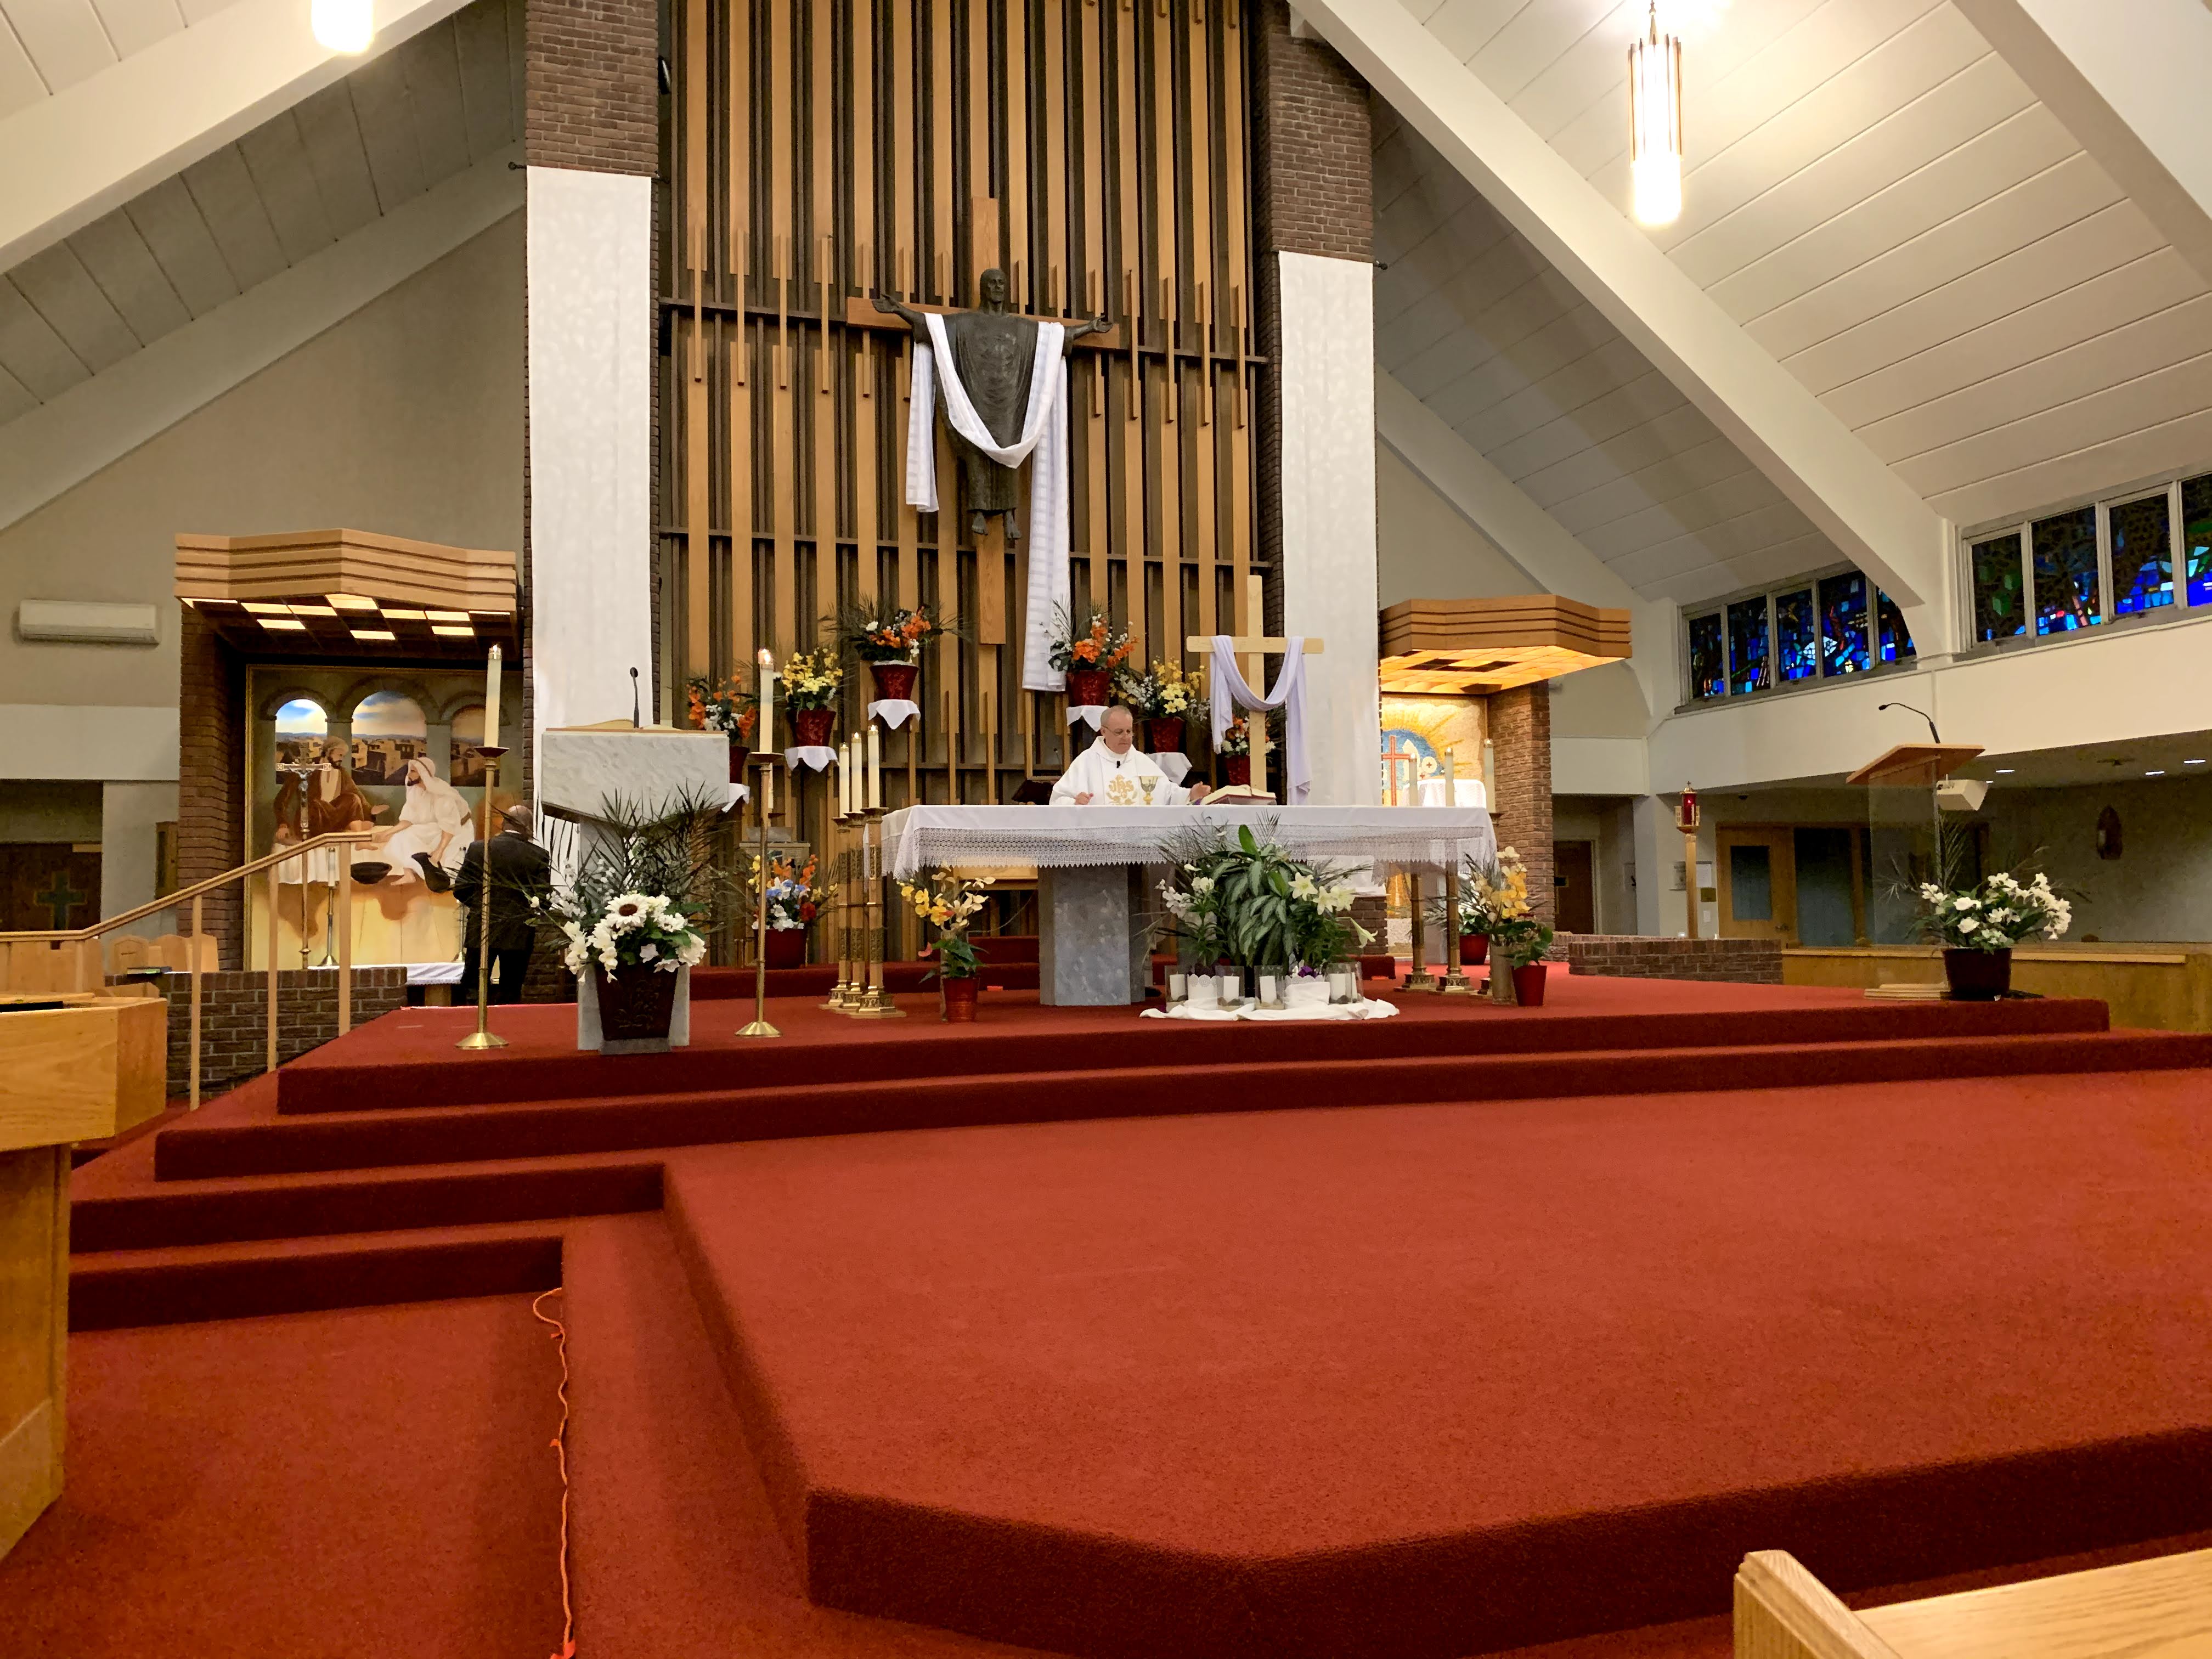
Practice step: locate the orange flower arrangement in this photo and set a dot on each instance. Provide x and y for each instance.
(1099, 646)
(724, 707)
(896, 637)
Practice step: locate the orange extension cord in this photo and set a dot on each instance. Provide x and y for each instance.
(560, 1451)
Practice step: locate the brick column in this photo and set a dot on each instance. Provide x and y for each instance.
(211, 778)
(1521, 734)
(1313, 206)
(592, 87)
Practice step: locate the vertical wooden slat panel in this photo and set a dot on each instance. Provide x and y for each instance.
(784, 460)
(982, 200)
(865, 480)
(738, 649)
(1236, 194)
(1027, 285)
(944, 110)
(828, 299)
(1198, 159)
(1054, 279)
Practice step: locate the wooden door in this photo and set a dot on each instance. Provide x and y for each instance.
(1574, 903)
(1757, 880)
(48, 885)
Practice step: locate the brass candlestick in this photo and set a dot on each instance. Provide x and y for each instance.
(1456, 982)
(482, 1037)
(760, 1027)
(875, 1002)
(1420, 979)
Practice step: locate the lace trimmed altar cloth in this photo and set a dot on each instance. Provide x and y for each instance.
(1394, 839)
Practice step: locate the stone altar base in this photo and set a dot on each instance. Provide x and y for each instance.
(1093, 951)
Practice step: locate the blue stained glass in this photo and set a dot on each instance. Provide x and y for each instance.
(1895, 638)
(2065, 554)
(1843, 647)
(1708, 662)
(2196, 538)
(2142, 555)
(1999, 613)
(1796, 636)
(1750, 667)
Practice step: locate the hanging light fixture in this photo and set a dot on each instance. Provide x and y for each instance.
(1655, 125)
(346, 26)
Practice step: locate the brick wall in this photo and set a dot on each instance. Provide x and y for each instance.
(1313, 188)
(234, 1018)
(1521, 729)
(592, 86)
(1736, 961)
(210, 775)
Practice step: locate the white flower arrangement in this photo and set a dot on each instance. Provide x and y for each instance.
(634, 929)
(1994, 915)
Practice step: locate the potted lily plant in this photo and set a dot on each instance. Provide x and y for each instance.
(948, 902)
(1088, 653)
(811, 683)
(1978, 926)
(727, 706)
(1517, 938)
(794, 896)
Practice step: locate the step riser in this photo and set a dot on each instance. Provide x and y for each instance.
(317, 1087)
(307, 1145)
(112, 1296)
(168, 1218)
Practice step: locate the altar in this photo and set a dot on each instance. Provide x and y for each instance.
(1091, 862)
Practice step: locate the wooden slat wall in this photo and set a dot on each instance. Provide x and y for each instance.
(1095, 151)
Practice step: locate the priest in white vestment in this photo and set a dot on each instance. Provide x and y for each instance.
(1114, 772)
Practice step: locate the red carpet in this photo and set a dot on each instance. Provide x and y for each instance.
(1434, 1380)
(319, 1486)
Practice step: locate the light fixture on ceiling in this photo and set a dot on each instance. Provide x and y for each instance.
(346, 26)
(2004, 771)
(2159, 773)
(2194, 762)
(1655, 125)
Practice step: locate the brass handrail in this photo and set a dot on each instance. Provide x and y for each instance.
(193, 896)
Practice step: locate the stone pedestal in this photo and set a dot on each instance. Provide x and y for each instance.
(1092, 951)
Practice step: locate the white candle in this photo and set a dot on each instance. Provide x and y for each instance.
(875, 766)
(848, 786)
(491, 701)
(764, 682)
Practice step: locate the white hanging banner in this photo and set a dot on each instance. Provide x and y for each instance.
(1288, 693)
(1044, 431)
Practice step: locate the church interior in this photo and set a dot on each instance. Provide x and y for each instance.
(682, 669)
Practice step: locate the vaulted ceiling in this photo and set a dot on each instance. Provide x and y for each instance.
(47, 46)
(1877, 198)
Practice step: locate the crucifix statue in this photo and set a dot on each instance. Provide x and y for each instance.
(993, 362)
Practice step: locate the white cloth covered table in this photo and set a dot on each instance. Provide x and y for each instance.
(1394, 839)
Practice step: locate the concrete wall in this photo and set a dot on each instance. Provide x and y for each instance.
(2160, 889)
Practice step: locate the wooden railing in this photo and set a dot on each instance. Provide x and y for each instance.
(84, 965)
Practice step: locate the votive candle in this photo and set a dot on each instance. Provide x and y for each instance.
(875, 767)
(491, 738)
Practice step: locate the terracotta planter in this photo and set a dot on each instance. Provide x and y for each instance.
(812, 727)
(959, 996)
(1236, 769)
(1163, 736)
(636, 1005)
(1087, 687)
(1978, 975)
(738, 756)
(1473, 950)
(787, 947)
(894, 680)
(1529, 985)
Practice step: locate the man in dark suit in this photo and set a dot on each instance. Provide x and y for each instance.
(520, 871)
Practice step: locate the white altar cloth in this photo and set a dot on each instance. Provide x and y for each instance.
(1394, 839)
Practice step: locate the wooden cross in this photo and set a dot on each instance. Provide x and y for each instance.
(61, 898)
(1253, 647)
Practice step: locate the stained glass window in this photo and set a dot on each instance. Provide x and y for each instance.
(1708, 662)
(2142, 555)
(1797, 634)
(2066, 589)
(1750, 667)
(1893, 638)
(2196, 538)
(1999, 610)
(1843, 646)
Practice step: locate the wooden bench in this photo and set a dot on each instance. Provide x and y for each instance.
(2157, 1609)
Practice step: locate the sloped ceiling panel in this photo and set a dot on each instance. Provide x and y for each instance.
(47, 46)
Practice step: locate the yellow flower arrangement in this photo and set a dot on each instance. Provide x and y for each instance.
(811, 679)
(948, 902)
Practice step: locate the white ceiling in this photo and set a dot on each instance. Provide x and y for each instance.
(401, 124)
(47, 46)
(1878, 200)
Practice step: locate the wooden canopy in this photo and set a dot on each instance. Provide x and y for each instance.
(349, 592)
(1471, 647)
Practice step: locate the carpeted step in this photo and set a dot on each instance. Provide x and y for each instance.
(167, 1214)
(110, 1290)
(198, 1150)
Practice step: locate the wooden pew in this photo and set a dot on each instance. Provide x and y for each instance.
(2157, 1609)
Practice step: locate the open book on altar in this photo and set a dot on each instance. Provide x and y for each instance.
(1237, 794)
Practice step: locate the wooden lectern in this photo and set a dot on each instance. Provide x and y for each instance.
(71, 1069)
(1914, 765)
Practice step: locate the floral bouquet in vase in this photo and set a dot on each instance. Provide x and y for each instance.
(948, 902)
(1978, 925)
(727, 707)
(889, 641)
(811, 683)
(1166, 699)
(1235, 749)
(1088, 653)
(795, 896)
(1504, 915)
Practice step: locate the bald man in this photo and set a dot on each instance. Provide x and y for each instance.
(1112, 770)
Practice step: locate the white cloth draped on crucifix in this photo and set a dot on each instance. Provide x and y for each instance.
(1044, 431)
(1288, 694)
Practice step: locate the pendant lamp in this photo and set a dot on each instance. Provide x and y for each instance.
(346, 26)
(1655, 125)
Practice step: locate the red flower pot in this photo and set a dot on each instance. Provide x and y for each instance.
(738, 756)
(787, 947)
(895, 680)
(1163, 736)
(636, 1005)
(959, 1000)
(1473, 950)
(1978, 975)
(1087, 687)
(811, 727)
(1529, 985)
(1236, 769)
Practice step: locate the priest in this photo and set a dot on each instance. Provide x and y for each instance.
(1115, 772)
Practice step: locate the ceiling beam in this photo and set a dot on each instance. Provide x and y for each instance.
(2129, 82)
(1873, 516)
(95, 145)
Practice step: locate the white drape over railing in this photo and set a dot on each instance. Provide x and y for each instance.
(1288, 693)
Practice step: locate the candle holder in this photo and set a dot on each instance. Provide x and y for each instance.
(839, 1000)
(1456, 983)
(1418, 978)
(875, 1002)
(482, 1038)
(760, 1027)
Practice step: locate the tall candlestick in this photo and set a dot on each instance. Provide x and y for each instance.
(875, 767)
(491, 701)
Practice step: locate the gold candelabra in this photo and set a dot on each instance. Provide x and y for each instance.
(762, 801)
(874, 1002)
(1420, 979)
(845, 992)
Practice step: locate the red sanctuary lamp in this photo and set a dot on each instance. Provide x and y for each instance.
(1686, 820)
